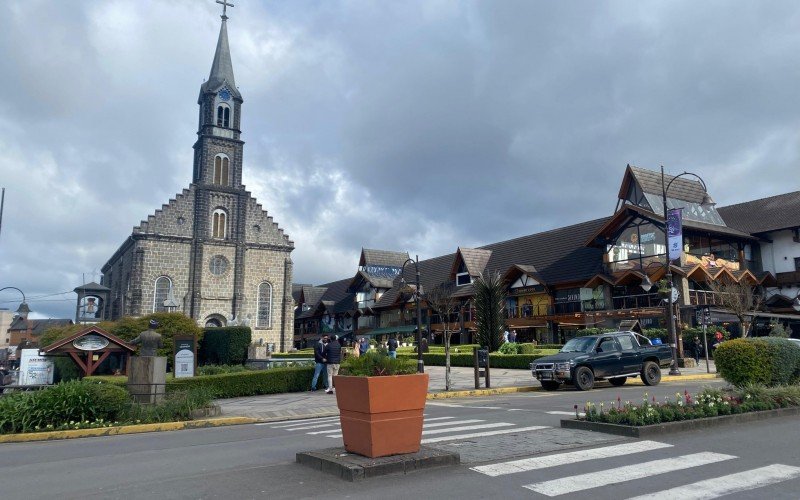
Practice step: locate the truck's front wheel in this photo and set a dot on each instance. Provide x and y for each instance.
(651, 373)
(584, 378)
(550, 385)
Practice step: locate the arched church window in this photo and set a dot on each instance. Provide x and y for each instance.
(264, 319)
(223, 116)
(221, 170)
(162, 288)
(219, 224)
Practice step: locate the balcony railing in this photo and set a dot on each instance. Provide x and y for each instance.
(527, 311)
(703, 298)
(637, 301)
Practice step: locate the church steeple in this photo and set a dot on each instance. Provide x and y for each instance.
(218, 150)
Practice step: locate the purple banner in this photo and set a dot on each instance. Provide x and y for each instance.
(675, 233)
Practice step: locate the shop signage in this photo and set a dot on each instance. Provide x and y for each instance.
(525, 290)
(382, 270)
(90, 342)
(35, 369)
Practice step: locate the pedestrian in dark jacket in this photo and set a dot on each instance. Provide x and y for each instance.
(319, 366)
(333, 357)
(698, 349)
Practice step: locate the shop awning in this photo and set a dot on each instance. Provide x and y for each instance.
(388, 330)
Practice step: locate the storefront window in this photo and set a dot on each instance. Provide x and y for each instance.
(638, 246)
(568, 301)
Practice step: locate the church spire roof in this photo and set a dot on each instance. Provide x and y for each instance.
(222, 67)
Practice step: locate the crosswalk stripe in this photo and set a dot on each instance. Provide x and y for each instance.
(580, 482)
(326, 431)
(306, 427)
(482, 434)
(442, 431)
(467, 428)
(426, 421)
(455, 422)
(300, 422)
(534, 463)
(438, 418)
(724, 485)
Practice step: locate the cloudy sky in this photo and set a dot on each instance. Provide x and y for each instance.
(400, 125)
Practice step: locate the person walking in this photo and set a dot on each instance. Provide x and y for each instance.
(512, 337)
(698, 349)
(392, 346)
(333, 357)
(319, 363)
(363, 345)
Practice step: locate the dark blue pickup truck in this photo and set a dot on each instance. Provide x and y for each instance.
(611, 356)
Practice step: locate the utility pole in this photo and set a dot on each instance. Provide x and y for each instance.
(2, 202)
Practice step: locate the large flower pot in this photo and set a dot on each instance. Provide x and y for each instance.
(381, 416)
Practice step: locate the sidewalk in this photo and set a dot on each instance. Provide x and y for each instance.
(295, 405)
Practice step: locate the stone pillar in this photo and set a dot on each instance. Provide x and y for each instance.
(147, 377)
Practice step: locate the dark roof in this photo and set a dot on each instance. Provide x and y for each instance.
(559, 256)
(376, 280)
(764, 215)
(92, 287)
(297, 289)
(37, 326)
(682, 188)
(370, 257)
(334, 297)
(90, 329)
(475, 260)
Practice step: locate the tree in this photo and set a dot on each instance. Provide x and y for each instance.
(739, 298)
(490, 298)
(441, 302)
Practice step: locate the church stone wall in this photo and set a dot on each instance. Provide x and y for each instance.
(216, 291)
(260, 227)
(164, 257)
(267, 265)
(172, 219)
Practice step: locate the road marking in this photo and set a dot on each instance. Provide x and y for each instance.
(580, 482)
(305, 427)
(724, 485)
(456, 422)
(457, 429)
(483, 434)
(327, 431)
(298, 422)
(438, 418)
(543, 462)
(568, 413)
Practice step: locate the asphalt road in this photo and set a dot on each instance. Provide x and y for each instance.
(257, 461)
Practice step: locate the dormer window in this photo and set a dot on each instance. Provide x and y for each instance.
(221, 170)
(463, 279)
(223, 116)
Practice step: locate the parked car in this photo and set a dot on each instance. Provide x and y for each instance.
(611, 356)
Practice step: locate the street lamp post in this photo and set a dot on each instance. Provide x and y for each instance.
(23, 308)
(418, 295)
(706, 202)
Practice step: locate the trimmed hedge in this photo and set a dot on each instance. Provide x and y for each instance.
(518, 361)
(231, 385)
(250, 383)
(225, 346)
(295, 354)
(765, 360)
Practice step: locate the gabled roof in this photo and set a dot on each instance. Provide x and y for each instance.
(37, 326)
(90, 329)
(474, 259)
(517, 270)
(764, 215)
(380, 281)
(297, 290)
(685, 189)
(371, 257)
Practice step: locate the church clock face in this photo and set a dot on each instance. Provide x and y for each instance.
(225, 94)
(218, 265)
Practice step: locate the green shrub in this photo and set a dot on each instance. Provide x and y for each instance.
(65, 369)
(767, 361)
(225, 346)
(373, 364)
(111, 401)
(509, 348)
(550, 346)
(176, 406)
(656, 333)
(295, 354)
(217, 369)
(248, 383)
(528, 349)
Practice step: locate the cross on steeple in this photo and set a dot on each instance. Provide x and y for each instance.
(225, 6)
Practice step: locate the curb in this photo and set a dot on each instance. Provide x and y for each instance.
(647, 431)
(481, 392)
(125, 429)
(676, 379)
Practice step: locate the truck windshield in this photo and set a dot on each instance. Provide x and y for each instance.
(583, 344)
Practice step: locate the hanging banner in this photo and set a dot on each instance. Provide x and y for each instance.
(675, 233)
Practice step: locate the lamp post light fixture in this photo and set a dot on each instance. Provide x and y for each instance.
(706, 202)
(23, 308)
(418, 299)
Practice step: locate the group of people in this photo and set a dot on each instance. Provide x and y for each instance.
(328, 354)
(510, 336)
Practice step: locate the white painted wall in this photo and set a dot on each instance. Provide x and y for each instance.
(778, 257)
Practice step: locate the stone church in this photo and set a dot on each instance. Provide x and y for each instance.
(212, 252)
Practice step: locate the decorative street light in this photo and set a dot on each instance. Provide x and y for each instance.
(418, 297)
(23, 308)
(707, 202)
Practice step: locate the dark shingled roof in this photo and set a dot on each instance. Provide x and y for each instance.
(764, 215)
(475, 260)
(682, 189)
(559, 256)
(371, 257)
(37, 326)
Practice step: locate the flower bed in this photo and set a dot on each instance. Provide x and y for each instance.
(706, 404)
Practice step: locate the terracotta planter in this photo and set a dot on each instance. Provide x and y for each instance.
(381, 416)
